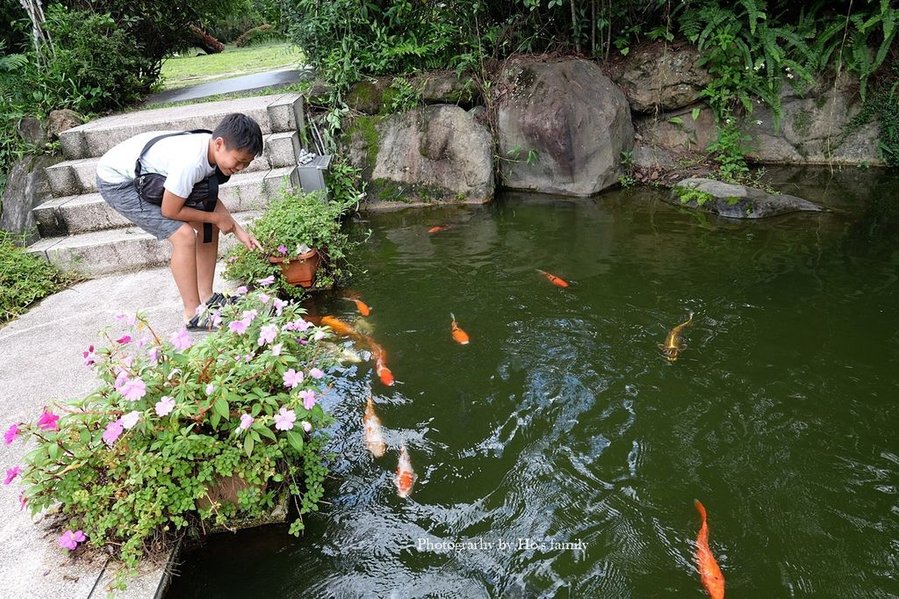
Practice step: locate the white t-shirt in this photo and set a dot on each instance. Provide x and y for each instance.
(183, 159)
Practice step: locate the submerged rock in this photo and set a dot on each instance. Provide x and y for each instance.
(735, 201)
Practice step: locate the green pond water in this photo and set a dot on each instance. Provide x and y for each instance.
(562, 422)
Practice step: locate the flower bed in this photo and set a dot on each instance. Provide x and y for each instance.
(136, 463)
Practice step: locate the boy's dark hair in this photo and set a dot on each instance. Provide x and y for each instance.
(240, 132)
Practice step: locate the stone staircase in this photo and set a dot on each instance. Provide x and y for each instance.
(80, 232)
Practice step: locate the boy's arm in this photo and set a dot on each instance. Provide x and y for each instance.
(174, 207)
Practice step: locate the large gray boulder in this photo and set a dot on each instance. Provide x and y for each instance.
(735, 201)
(561, 126)
(26, 187)
(660, 77)
(816, 127)
(436, 153)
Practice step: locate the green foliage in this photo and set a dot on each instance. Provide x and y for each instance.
(24, 278)
(288, 222)
(691, 194)
(402, 96)
(257, 35)
(730, 149)
(130, 474)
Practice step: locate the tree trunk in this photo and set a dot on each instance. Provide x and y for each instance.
(206, 42)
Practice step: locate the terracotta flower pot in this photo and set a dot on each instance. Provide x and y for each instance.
(299, 270)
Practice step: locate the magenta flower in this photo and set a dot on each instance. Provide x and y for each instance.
(16, 470)
(89, 357)
(238, 326)
(129, 420)
(70, 540)
(276, 349)
(307, 426)
(23, 501)
(164, 406)
(123, 339)
(279, 305)
(48, 421)
(11, 433)
(267, 334)
(282, 249)
(316, 373)
(134, 389)
(113, 432)
(250, 315)
(284, 419)
(308, 397)
(242, 290)
(181, 339)
(266, 281)
(292, 378)
(245, 422)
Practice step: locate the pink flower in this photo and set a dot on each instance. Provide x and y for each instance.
(267, 334)
(89, 357)
(23, 501)
(279, 305)
(216, 319)
(153, 353)
(308, 397)
(70, 540)
(134, 389)
(276, 349)
(319, 335)
(238, 326)
(297, 325)
(126, 319)
(210, 389)
(264, 297)
(284, 419)
(129, 420)
(245, 422)
(316, 373)
(242, 290)
(282, 249)
(48, 421)
(113, 432)
(181, 339)
(266, 281)
(292, 378)
(307, 426)
(164, 406)
(11, 433)
(15, 471)
(250, 315)
(121, 379)
(124, 339)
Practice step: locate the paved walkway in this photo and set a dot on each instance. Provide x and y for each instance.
(234, 84)
(41, 363)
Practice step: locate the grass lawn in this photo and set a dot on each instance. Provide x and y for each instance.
(201, 68)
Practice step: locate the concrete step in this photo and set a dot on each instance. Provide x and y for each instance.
(279, 113)
(75, 177)
(73, 215)
(118, 250)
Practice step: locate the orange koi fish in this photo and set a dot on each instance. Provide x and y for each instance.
(339, 326)
(380, 355)
(673, 346)
(437, 229)
(405, 476)
(557, 281)
(709, 572)
(459, 336)
(374, 440)
(364, 310)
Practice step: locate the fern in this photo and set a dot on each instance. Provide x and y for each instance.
(13, 62)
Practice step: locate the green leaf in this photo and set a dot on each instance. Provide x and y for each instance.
(264, 431)
(248, 445)
(695, 113)
(53, 451)
(220, 407)
(296, 440)
(676, 120)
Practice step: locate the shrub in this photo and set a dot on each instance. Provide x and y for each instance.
(24, 278)
(133, 464)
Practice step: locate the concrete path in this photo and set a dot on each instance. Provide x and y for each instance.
(234, 84)
(41, 363)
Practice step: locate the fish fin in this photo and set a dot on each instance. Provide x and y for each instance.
(700, 508)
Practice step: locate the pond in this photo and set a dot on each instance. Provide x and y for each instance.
(559, 453)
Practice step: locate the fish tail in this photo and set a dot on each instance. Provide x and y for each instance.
(690, 319)
(701, 509)
(453, 316)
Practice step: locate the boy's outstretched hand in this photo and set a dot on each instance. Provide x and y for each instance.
(246, 238)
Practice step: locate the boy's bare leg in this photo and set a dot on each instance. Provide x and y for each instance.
(184, 268)
(206, 254)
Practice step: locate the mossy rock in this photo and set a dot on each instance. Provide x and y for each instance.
(735, 201)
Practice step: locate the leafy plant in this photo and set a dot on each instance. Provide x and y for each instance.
(135, 463)
(289, 222)
(402, 95)
(730, 149)
(691, 194)
(25, 278)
